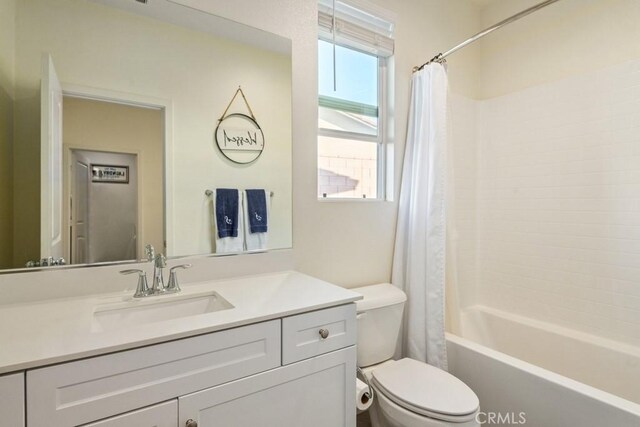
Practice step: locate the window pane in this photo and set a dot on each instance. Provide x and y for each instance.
(347, 168)
(357, 74)
(350, 122)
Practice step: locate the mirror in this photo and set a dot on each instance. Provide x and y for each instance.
(108, 118)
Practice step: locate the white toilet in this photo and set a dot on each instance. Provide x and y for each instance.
(408, 393)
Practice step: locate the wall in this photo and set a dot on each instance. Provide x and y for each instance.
(559, 223)
(7, 77)
(348, 243)
(104, 126)
(351, 243)
(558, 230)
(567, 38)
(347, 168)
(196, 73)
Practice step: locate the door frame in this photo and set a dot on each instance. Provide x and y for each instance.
(141, 101)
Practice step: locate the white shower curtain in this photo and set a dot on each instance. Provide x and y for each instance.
(419, 255)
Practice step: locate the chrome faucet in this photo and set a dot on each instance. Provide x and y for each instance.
(157, 288)
(159, 262)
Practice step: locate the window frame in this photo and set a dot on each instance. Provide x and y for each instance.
(380, 139)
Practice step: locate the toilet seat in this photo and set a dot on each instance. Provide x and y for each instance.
(426, 390)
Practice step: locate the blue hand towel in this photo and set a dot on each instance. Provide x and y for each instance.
(257, 209)
(227, 212)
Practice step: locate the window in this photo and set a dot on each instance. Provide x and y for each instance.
(351, 102)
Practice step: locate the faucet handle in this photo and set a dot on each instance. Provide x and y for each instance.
(142, 290)
(173, 285)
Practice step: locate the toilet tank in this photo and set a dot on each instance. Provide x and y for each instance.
(379, 322)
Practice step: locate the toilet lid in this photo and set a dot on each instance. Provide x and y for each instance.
(426, 390)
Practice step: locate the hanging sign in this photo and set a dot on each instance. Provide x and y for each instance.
(110, 174)
(239, 136)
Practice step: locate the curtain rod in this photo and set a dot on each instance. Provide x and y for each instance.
(441, 56)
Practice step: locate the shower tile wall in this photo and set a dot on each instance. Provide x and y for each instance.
(558, 202)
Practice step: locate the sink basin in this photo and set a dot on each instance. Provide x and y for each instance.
(146, 310)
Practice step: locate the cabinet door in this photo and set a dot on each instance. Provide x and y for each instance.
(317, 392)
(162, 415)
(12, 400)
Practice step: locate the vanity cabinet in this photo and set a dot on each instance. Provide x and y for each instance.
(297, 370)
(12, 400)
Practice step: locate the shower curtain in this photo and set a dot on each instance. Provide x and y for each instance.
(419, 254)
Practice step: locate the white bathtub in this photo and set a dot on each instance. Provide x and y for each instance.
(554, 376)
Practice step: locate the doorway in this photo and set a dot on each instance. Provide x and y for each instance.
(104, 207)
(114, 179)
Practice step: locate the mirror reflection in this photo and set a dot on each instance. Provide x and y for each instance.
(108, 114)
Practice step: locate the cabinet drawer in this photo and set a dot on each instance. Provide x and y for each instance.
(301, 338)
(99, 387)
(162, 415)
(12, 400)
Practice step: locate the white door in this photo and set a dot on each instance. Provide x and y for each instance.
(317, 392)
(50, 162)
(80, 187)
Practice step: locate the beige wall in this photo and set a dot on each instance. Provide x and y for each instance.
(7, 77)
(568, 38)
(104, 126)
(195, 73)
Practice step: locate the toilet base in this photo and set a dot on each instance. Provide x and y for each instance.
(385, 413)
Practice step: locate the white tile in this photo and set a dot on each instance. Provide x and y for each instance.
(550, 201)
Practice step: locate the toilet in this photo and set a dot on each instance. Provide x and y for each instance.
(408, 393)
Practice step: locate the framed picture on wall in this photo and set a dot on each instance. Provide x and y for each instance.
(110, 174)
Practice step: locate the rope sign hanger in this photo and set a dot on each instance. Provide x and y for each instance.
(239, 136)
(239, 91)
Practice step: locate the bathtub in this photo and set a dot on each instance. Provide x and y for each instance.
(537, 374)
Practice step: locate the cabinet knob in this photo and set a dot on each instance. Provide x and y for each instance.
(191, 423)
(324, 333)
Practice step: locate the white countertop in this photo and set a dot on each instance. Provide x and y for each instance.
(47, 332)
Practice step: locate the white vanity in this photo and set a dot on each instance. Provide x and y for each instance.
(268, 350)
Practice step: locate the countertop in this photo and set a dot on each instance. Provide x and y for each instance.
(54, 331)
